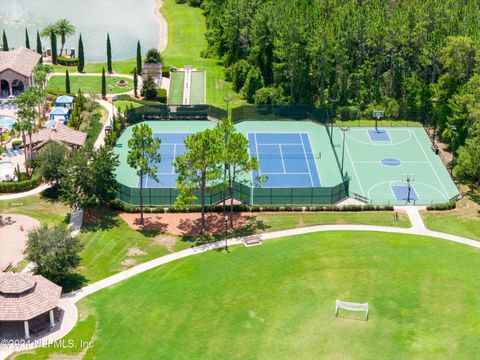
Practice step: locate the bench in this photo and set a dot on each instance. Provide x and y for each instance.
(252, 240)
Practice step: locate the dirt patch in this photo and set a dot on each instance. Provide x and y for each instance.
(184, 224)
(166, 241)
(135, 252)
(129, 262)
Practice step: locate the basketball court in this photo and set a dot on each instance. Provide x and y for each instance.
(393, 166)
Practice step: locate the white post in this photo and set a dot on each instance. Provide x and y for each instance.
(52, 319)
(27, 330)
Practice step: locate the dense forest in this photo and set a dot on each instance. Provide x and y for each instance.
(416, 56)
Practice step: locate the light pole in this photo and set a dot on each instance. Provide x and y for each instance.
(226, 232)
(332, 101)
(434, 102)
(227, 100)
(344, 131)
(453, 128)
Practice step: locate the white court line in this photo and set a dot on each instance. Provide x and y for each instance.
(281, 156)
(431, 165)
(258, 155)
(296, 173)
(380, 162)
(354, 169)
(306, 160)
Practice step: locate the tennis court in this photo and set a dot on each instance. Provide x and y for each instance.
(394, 166)
(171, 146)
(177, 79)
(286, 160)
(197, 88)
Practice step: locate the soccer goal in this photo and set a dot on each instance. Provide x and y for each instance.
(351, 307)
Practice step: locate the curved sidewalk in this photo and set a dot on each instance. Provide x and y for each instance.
(417, 228)
(35, 191)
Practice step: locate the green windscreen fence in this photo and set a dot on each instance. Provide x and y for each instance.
(243, 193)
(279, 112)
(174, 112)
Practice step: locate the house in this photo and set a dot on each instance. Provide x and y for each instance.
(16, 70)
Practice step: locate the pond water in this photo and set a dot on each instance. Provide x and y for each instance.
(127, 21)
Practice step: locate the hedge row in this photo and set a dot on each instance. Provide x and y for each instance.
(62, 60)
(121, 206)
(20, 186)
(443, 206)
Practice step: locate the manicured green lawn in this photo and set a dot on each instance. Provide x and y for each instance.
(119, 66)
(369, 122)
(186, 40)
(112, 246)
(177, 80)
(284, 221)
(122, 105)
(41, 208)
(276, 301)
(89, 84)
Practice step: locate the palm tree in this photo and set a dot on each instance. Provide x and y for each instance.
(40, 73)
(22, 127)
(64, 29)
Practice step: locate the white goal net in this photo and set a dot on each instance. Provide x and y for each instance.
(351, 307)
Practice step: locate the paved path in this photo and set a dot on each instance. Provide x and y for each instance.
(35, 191)
(418, 228)
(112, 111)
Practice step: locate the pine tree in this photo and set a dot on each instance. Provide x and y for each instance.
(4, 42)
(81, 55)
(39, 43)
(53, 42)
(27, 39)
(135, 82)
(67, 82)
(139, 58)
(104, 84)
(109, 55)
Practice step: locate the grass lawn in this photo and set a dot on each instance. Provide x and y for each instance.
(463, 221)
(122, 105)
(186, 40)
(197, 88)
(177, 80)
(119, 66)
(283, 221)
(89, 84)
(276, 301)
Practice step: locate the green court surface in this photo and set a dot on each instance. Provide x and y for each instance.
(197, 87)
(379, 163)
(177, 80)
(324, 156)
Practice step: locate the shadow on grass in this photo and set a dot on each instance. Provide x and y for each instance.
(251, 227)
(474, 194)
(51, 194)
(100, 219)
(72, 281)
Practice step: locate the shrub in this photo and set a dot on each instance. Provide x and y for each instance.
(270, 96)
(166, 71)
(442, 206)
(253, 83)
(16, 143)
(238, 73)
(149, 89)
(349, 113)
(162, 95)
(153, 57)
(20, 186)
(62, 60)
(121, 206)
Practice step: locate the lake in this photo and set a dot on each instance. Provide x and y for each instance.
(127, 21)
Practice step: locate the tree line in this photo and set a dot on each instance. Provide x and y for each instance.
(356, 56)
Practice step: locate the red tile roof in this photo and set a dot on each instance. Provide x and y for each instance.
(21, 61)
(24, 296)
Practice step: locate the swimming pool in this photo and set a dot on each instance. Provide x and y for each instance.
(6, 122)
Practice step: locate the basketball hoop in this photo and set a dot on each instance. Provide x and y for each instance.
(378, 114)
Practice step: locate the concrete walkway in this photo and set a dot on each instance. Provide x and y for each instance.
(418, 228)
(112, 111)
(35, 191)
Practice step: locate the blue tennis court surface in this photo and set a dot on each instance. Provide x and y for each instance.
(171, 146)
(379, 135)
(391, 162)
(401, 192)
(286, 159)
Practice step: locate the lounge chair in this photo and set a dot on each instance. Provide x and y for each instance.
(7, 153)
(19, 151)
